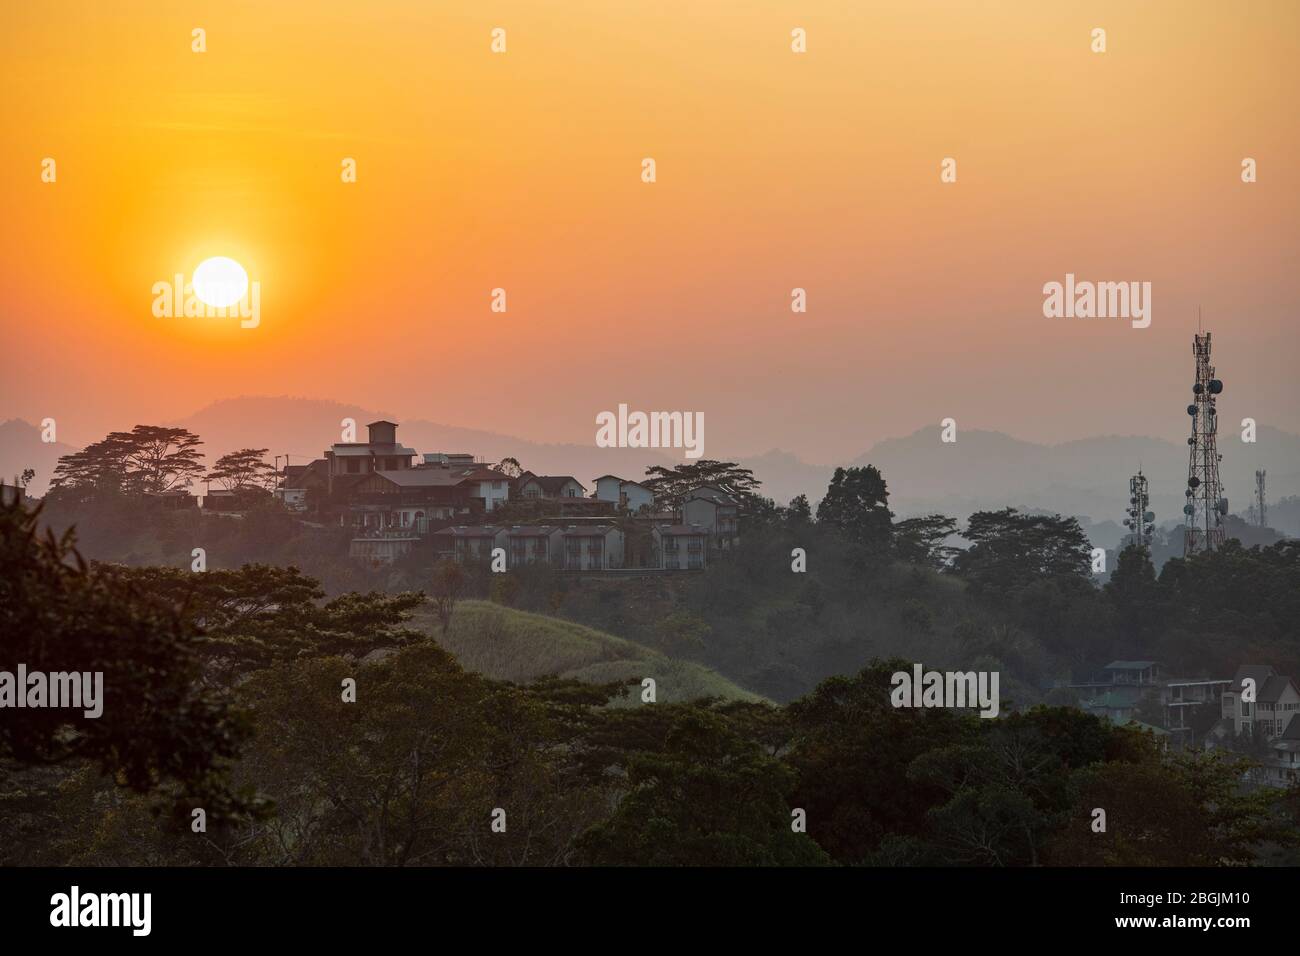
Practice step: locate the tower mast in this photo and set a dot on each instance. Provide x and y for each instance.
(1140, 516)
(1206, 505)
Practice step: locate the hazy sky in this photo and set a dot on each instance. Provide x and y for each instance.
(775, 170)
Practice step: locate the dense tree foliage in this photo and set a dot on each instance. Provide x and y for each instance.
(252, 661)
(857, 505)
(671, 485)
(161, 727)
(148, 458)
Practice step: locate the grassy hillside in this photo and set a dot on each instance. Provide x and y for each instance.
(518, 646)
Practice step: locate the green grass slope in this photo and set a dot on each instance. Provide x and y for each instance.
(518, 646)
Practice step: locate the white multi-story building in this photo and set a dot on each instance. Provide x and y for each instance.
(1276, 701)
(623, 494)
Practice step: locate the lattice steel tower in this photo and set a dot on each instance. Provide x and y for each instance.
(1206, 505)
(1140, 517)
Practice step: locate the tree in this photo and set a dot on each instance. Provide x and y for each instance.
(851, 750)
(671, 485)
(510, 467)
(921, 540)
(448, 584)
(709, 797)
(857, 504)
(1140, 604)
(163, 458)
(149, 458)
(1180, 811)
(260, 615)
(1011, 550)
(98, 468)
(160, 727)
(244, 470)
(799, 511)
(680, 631)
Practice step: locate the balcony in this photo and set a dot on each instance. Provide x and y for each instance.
(385, 534)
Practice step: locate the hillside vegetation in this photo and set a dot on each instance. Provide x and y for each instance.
(519, 646)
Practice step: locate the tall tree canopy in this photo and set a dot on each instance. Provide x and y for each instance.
(243, 470)
(1012, 550)
(671, 485)
(857, 503)
(161, 727)
(148, 458)
(921, 540)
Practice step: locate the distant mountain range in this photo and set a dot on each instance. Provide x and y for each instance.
(21, 447)
(982, 469)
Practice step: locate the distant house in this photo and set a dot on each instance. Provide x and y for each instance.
(382, 452)
(1137, 673)
(302, 486)
(1160, 735)
(718, 512)
(592, 548)
(469, 543)
(412, 498)
(1117, 690)
(534, 544)
(381, 547)
(490, 486)
(221, 500)
(12, 493)
(1180, 697)
(623, 494)
(681, 547)
(177, 499)
(450, 459)
(548, 486)
(1283, 769)
(1276, 701)
(1116, 703)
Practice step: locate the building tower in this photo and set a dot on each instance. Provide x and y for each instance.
(1206, 505)
(1260, 508)
(1140, 517)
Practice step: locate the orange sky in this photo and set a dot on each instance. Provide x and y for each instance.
(775, 170)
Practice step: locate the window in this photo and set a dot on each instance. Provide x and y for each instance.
(354, 466)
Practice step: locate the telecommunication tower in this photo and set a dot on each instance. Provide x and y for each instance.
(1260, 507)
(1140, 518)
(1206, 506)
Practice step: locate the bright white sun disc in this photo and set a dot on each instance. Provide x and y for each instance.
(220, 282)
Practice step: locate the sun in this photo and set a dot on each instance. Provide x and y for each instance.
(219, 282)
